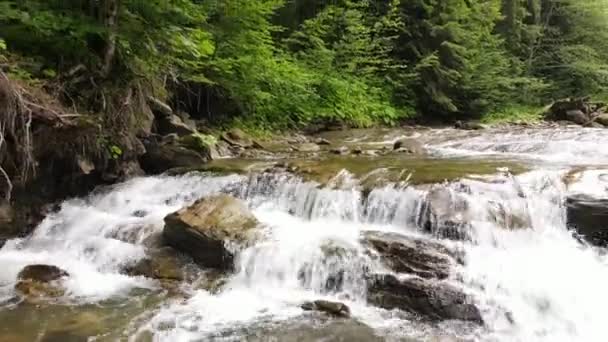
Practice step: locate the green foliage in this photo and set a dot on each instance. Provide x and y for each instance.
(275, 64)
(514, 114)
(198, 141)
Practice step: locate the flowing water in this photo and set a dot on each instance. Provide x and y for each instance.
(538, 283)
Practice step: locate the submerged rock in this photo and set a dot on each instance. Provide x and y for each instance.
(403, 254)
(204, 229)
(307, 147)
(342, 150)
(432, 300)
(589, 217)
(408, 145)
(336, 309)
(161, 264)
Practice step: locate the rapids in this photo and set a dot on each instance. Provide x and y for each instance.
(535, 284)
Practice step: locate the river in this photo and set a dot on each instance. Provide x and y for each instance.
(537, 283)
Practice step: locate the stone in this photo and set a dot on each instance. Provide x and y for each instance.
(223, 149)
(42, 273)
(577, 116)
(162, 157)
(335, 309)
(342, 150)
(469, 125)
(432, 300)
(205, 145)
(408, 145)
(161, 264)
(35, 282)
(602, 119)
(444, 213)
(205, 229)
(307, 147)
(173, 124)
(358, 151)
(158, 107)
(322, 142)
(589, 217)
(404, 254)
(237, 138)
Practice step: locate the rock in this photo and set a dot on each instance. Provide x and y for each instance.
(577, 116)
(408, 145)
(205, 145)
(342, 150)
(238, 138)
(162, 157)
(40, 281)
(223, 149)
(444, 213)
(322, 142)
(7, 217)
(589, 217)
(307, 147)
(469, 125)
(85, 165)
(204, 229)
(173, 124)
(593, 124)
(158, 107)
(336, 309)
(162, 264)
(602, 119)
(404, 254)
(42, 273)
(433, 300)
(358, 151)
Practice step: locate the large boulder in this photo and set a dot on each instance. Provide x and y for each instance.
(205, 145)
(205, 229)
(161, 157)
(577, 116)
(403, 254)
(445, 213)
(589, 217)
(36, 282)
(173, 124)
(432, 300)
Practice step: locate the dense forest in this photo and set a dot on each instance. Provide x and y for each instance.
(275, 64)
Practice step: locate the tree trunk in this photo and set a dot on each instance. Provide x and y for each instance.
(110, 19)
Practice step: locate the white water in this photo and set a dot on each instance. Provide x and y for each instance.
(536, 284)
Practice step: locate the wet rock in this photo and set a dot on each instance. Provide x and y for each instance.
(162, 264)
(307, 147)
(358, 151)
(433, 300)
(42, 273)
(336, 309)
(162, 157)
(408, 145)
(7, 217)
(469, 125)
(342, 150)
(204, 230)
(35, 282)
(322, 142)
(223, 149)
(602, 119)
(403, 254)
(444, 213)
(577, 116)
(237, 138)
(589, 217)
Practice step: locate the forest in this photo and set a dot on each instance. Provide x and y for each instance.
(284, 64)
